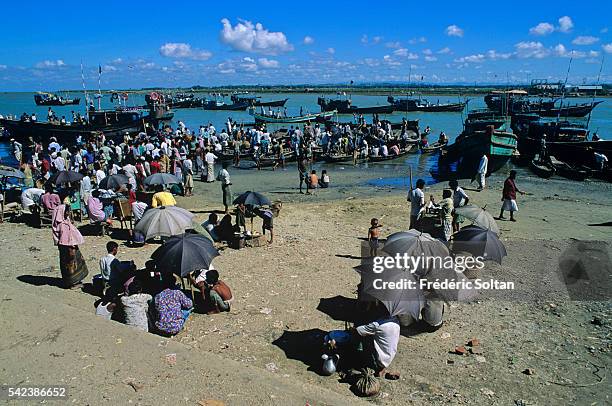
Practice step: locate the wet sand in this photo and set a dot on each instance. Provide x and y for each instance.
(289, 293)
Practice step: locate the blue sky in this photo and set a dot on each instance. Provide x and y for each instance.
(148, 44)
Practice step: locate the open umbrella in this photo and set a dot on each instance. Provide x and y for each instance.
(164, 221)
(185, 253)
(62, 177)
(479, 217)
(161, 179)
(113, 182)
(416, 244)
(254, 199)
(479, 242)
(8, 172)
(398, 301)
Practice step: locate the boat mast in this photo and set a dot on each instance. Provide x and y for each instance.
(595, 91)
(569, 66)
(99, 91)
(84, 90)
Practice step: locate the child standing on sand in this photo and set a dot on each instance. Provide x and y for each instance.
(373, 235)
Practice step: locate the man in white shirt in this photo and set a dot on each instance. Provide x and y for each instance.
(210, 159)
(138, 210)
(482, 171)
(58, 162)
(416, 197)
(380, 343)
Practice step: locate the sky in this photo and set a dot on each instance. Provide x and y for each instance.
(181, 44)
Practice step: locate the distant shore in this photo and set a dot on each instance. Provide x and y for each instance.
(374, 89)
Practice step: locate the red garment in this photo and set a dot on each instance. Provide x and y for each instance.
(509, 189)
(45, 165)
(155, 167)
(131, 197)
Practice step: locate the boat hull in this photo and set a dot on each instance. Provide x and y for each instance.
(259, 118)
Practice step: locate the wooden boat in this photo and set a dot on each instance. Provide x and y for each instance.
(219, 105)
(254, 101)
(435, 147)
(113, 123)
(460, 159)
(336, 159)
(344, 106)
(261, 118)
(408, 105)
(541, 168)
(569, 171)
(381, 158)
(49, 99)
(575, 110)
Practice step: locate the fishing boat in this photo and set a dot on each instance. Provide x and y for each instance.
(541, 168)
(112, 123)
(344, 106)
(254, 101)
(569, 171)
(408, 105)
(382, 158)
(435, 147)
(263, 118)
(517, 102)
(337, 158)
(220, 105)
(461, 159)
(50, 99)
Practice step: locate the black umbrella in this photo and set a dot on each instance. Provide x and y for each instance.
(113, 182)
(479, 242)
(185, 253)
(254, 199)
(161, 179)
(62, 177)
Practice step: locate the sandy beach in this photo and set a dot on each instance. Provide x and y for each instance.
(537, 342)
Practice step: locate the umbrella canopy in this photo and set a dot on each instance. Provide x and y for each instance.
(185, 253)
(416, 244)
(164, 221)
(62, 177)
(113, 182)
(8, 172)
(252, 199)
(479, 217)
(409, 300)
(479, 242)
(161, 179)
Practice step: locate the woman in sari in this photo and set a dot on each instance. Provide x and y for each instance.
(68, 238)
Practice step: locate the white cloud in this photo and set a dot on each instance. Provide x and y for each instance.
(109, 68)
(393, 45)
(268, 63)
(183, 50)
(51, 64)
(3, 66)
(117, 61)
(531, 49)
(308, 40)
(427, 52)
(494, 55)
(454, 31)
(565, 24)
(445, 50)
(403, 52)
(604, 30)
(430, 58)
(377, 39)
(607, 48)
(419, 40)
(331, 51)
(364, 39)
(585, 40)
(476, 58)
(560, 50)
(593, 54)
(542, 29)
(248, 37)
(390, 61)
